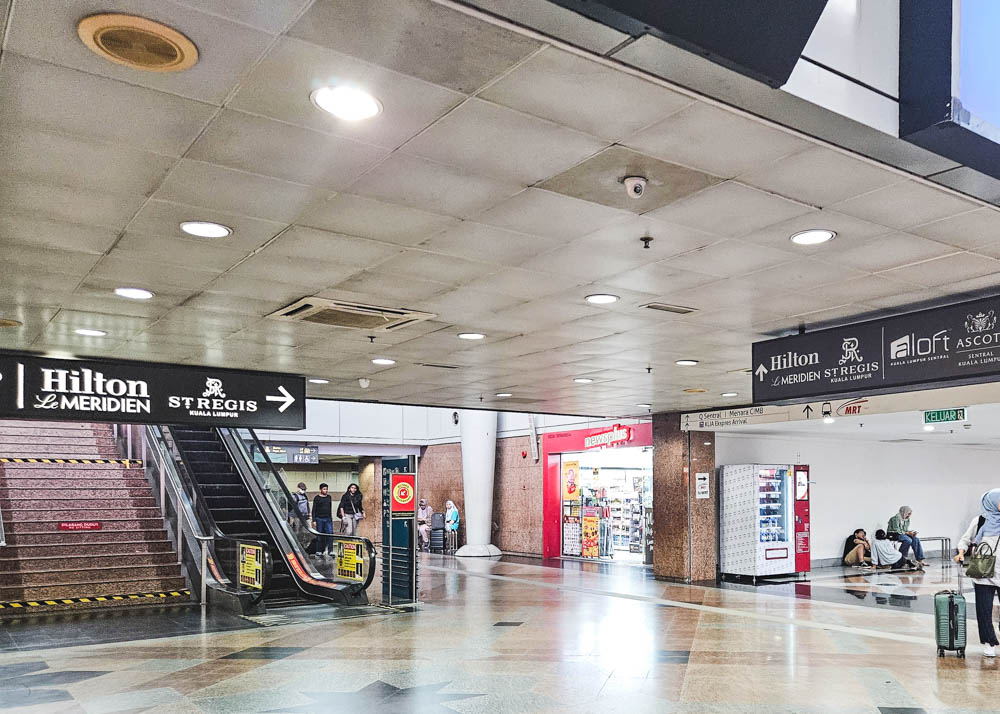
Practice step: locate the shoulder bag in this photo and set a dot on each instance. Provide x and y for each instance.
(982, 563)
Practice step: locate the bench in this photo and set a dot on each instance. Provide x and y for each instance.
(945, 544)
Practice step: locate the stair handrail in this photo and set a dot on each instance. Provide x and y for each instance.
(283, 512)
(191, 515)
(3, 537)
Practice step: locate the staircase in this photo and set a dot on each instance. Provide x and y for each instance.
(129, 555)
(226, 496)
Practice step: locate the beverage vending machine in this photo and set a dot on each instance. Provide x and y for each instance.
(764, 519)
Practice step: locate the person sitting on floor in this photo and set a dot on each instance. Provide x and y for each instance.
(857, 549)
(885, 554)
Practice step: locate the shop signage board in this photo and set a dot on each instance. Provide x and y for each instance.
(34, 387)
(251, 566)
(930, 348)
(612, 437)
(943, 416)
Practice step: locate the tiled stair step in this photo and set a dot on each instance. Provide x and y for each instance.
(21, 494)
(55, 550)
(74, 470)
(62, 504)
(106, 586)
(109, 535)
(8, 429)
(84, 426)
(50, 451)
(75, 563)
(15, 444)
(17, 514)
(51, 526)
(69, 485)
(90, 575)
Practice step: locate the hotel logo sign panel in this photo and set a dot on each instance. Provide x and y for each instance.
(33, 387)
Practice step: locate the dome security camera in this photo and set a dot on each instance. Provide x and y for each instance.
(635, 186)
(364, 382)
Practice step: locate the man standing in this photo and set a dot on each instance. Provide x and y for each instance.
(323, 519)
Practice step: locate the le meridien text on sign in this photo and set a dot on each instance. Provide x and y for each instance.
(955, 344)
(33, 387)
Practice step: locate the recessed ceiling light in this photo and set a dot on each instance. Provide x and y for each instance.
(695, 390)
(583, 380)
(645, 406)
(383, 360)
(347, 103)
(133, 293)
(471, 335)
(928, 427)
(730, 394)
(6, 322)
(601, 299)
(319, 381)
(813, 236)
(206, 229)
(87, 332)
(828, 420)
(504, 395)
(686, 362)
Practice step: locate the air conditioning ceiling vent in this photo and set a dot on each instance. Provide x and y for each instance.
(350, 315)
(664, 307)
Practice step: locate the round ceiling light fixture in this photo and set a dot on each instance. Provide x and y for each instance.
(133, 293)
(7, 322)
(602, 299)
(471, 335)
(504, 395)
(347, 103)
(730, 394)
(813, 236)
(928, 427)
(87, 332)
(583, 380)
(828, 420)
(686, 362)
(383, 361)
(316, 380)
(645, 406)
(137, 43)
(206, 229)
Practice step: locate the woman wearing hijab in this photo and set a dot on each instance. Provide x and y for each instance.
(424, 514)
(899, 529)
(451, 521)
(984, 528)
(351, 510)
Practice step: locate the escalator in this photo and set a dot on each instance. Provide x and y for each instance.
(249, 500)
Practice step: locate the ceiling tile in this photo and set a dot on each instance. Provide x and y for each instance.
(659, 279)
(386, 289)
(729, 258)
(281, 85)
(730, 209)
(526, 284)
(889, 251)
(584, 95)
(949, 269)
(520, 148)
(272, 148)
(668, 240)
(243, 305)
(600, 179)
(307, 275)
(164, 218)
(715, 140)
(802, 274)
(314, 244)
(48, 32)
(556, 21)
(27, 230)
(848, 230)
(488, 244)
(21, 257)
(966, 230)
(860, 290)
(466, 303)
(137, 266)
(56, 159)
(272, 16)
(550, 214)
(66, 204)
(462, 53)
(206, 254)
(196, 183)
(368, 218)
(586, 260)
(54, 98)
(430, 266)
(904, 205)
(433, 187)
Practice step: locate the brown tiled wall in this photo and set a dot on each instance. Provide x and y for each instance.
(517, 491)
(370, 483)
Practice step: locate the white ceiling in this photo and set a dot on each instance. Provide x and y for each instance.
(435, 205)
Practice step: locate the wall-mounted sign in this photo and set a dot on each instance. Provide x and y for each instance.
(957, 344)
(34, 387)
(612, 437)
(571, 480)
(701, 485)
(943, 416)
(251, 566)
(79, 525)
(403, 488)
(350, 561)
(305, 454)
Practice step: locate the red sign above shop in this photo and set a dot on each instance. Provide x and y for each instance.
(612, 437)
(561, 442)
(79, 525)
(403, 489)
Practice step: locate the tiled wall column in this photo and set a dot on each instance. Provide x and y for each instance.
(370, 483)
(684, 526)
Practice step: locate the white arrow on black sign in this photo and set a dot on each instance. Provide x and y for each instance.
(285, 397)
(761, 371)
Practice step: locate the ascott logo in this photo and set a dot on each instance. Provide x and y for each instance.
(911, 346)
(88, 390)
(980, 328)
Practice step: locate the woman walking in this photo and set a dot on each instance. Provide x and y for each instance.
(985, 528)
(351, 510)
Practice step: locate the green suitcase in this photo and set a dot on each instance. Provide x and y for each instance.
(949, 621)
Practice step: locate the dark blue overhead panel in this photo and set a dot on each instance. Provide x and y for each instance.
(758, 38)
(949, 97)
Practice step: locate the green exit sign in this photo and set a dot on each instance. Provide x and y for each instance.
(940, 416)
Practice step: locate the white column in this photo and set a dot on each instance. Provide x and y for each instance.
(479, 454)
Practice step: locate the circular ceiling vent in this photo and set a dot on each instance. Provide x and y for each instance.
(137, 42)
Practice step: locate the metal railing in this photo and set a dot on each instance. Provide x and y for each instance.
(3, 537)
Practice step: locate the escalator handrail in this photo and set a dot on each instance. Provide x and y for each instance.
(198, 518)
(304, 523)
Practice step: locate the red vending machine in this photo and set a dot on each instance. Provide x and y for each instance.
(803, 562)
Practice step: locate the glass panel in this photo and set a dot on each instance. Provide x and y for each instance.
(773, 504)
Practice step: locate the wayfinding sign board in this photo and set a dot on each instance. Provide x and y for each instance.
(944, 416)
(957, 344)
(33, 387)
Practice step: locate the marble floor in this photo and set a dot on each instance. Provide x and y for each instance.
(516, 635)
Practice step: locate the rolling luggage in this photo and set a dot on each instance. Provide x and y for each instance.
(949, 620)
(437, 532)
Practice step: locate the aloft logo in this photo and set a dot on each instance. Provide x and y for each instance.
(913, 346)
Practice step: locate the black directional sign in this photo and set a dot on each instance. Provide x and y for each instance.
(955, 344)
(33, 387)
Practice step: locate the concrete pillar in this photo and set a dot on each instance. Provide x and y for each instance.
(370, 483)
(684, 526)
(479, 450)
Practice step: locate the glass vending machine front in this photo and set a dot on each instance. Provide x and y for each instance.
(773, 504)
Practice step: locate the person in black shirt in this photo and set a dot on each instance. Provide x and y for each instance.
(323, 519)
(351, 510)
(857, 549)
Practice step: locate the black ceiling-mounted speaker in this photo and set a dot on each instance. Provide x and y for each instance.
(762, 39)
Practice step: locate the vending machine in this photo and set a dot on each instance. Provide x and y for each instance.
(764, 519)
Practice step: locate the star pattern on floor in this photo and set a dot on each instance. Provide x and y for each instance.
(27, 683)
(384, 698)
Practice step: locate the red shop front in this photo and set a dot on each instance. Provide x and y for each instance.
(597, 495)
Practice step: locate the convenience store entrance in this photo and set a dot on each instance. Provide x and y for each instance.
(598, 497)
